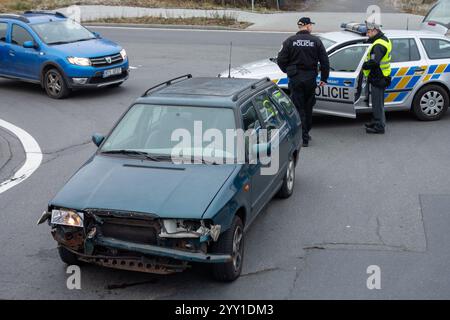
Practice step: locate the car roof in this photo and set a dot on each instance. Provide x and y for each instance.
(34, 17)
(346, 36)
(206, 91)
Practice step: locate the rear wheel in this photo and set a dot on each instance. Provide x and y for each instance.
(430, 103)
(55, 85)
(67, 256)
(230, 242)
(287, 188)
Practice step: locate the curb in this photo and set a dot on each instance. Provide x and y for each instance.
(163, 26)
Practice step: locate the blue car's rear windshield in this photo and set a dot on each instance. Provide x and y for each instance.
(162, 130)
(60, 32)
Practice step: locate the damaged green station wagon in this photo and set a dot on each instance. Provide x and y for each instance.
(131, 207)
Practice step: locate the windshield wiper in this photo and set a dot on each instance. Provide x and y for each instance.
(134, 152)
(58, 42)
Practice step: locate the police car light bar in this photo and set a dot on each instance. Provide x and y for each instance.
(359, 28)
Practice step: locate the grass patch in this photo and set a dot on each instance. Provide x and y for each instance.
(21, 5)
(217, 20)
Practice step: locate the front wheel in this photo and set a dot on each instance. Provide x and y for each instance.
(230, 242)
(430, 103)
(287, 188)
(55, 85)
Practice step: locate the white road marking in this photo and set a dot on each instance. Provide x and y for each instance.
(188, 30)
(133, 68)
(33, 156)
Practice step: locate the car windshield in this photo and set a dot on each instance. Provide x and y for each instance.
(327, 42)
(440, 14)
(60, 32)
(173, 131)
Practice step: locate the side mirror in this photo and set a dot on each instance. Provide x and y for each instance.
(262, 149)
(30, 45)
(97, 139)
(97, 35)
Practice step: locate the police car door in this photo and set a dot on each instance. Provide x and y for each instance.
(342, 94)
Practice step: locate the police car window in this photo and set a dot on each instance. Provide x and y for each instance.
(404, 50)
(437, 48)
(327, 42)
(250, 117)
(348, 59)
(269, 112)
(3, 29)
(20, 35)
(282, 100)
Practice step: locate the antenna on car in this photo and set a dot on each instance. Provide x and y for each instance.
(407, 23)
(229, 65)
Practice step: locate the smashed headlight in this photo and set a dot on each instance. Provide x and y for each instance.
(179, 229)
(67, 218)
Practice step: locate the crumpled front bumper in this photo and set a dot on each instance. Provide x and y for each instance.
(161, 251)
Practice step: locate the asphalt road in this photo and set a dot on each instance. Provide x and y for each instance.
(360, 200)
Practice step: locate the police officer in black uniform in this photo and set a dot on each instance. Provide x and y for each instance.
(299, 58)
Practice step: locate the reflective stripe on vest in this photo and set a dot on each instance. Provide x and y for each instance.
(385, 63)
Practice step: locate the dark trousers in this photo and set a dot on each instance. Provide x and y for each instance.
(379, 118)
(303, 95)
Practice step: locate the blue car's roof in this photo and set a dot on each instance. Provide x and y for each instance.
(40, 18)
(34, 17)
(203, 91)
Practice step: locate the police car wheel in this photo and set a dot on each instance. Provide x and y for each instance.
(287, 188)
(430, 103)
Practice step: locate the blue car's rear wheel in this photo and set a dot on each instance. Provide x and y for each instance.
(55, 85)
(230, 242)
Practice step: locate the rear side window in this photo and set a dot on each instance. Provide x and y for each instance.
(3, 30)
(268, 112)
(282, 100)
(437, 48)
(19, 35)
(404, 50)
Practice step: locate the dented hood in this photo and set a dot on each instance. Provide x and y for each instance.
(126, 184)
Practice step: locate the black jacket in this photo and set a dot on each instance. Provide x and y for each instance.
(300, 55)
(376, 76)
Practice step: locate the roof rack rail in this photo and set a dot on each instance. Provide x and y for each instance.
(54, 13)
(14, 16)
(167, 83)
(250, 87)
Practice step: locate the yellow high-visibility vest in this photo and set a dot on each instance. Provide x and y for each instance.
(385, 63)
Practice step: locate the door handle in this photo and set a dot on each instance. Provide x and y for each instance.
(348, 82)
(419, 70)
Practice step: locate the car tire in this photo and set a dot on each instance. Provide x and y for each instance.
(230, 242)
(430, 103)
(55, 85)
(287, 188)
(68, 257)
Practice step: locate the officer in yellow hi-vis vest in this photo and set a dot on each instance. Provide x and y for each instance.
(377, 69)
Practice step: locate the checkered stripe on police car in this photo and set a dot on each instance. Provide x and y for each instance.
(406, 79)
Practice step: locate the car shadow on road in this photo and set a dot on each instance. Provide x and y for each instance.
(19, 88)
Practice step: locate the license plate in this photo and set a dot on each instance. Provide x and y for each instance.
(112, 72)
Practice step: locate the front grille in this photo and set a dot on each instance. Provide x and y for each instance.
(106, 60)
(131, 230)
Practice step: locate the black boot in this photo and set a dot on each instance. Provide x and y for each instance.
(370, 124)
(375, 130)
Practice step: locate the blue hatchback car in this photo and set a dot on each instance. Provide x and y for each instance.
(133, 206)
(58, 53)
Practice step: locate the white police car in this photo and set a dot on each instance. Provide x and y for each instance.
(420, 69)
